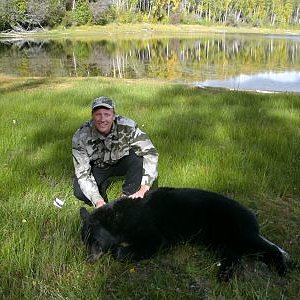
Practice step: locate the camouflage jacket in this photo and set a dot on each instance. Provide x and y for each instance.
(90, 147)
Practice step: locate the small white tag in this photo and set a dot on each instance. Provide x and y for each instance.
(59, 203)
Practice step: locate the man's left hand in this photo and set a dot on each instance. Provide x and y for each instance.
(141, 192)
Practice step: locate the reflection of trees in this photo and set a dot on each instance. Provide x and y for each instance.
(191, 59)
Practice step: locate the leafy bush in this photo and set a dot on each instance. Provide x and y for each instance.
(125, 17)
(102, 11)
(67, 20)
(82, 13)
(106, 17)
(3, 17)
(57, 12)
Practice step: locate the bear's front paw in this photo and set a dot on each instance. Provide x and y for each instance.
(123, 253)
(227, 269)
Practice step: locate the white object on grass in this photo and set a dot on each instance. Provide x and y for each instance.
(59, 203)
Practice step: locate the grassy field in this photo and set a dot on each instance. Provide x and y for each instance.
(144, 30)
(244, 145)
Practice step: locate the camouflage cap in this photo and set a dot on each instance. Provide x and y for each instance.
(103, 102)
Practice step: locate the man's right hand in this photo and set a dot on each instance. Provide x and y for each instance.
(100, 203)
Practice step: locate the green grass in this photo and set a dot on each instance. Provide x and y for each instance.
(244, 145)
(144, 30)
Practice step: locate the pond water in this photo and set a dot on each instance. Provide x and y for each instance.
(263, 82)
(236, 61)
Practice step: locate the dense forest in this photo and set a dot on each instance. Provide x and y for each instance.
(20, 15)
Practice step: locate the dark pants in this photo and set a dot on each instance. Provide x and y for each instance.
(130, 166)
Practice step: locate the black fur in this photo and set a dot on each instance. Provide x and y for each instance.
(138, 228)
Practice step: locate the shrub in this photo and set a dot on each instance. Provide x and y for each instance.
(106, 17)
(82, 13)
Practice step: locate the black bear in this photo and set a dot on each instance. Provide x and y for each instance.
(138, 228)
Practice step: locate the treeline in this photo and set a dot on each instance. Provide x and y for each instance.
(20, 15)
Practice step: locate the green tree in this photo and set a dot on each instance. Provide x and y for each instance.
(288, 8)
(82, 13)
(3, 16)
(16, 13)
(101, 11)
(57, 10)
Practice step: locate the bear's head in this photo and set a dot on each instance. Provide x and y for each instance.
(95, 237)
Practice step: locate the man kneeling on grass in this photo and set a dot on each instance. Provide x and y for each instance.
(111, 145)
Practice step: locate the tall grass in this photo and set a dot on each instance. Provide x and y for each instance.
(244, 145)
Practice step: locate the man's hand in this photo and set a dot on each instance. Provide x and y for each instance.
(100, 203)
(141, 192)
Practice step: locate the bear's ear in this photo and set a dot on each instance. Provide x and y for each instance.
(84, 214)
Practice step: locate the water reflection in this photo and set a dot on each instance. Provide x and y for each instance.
(188, 59)
(269, 81)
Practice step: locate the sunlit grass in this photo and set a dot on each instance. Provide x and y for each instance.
(244, 145)
(145, 30)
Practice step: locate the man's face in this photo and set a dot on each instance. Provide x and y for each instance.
(103, 119)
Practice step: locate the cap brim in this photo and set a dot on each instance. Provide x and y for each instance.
(102, 105)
